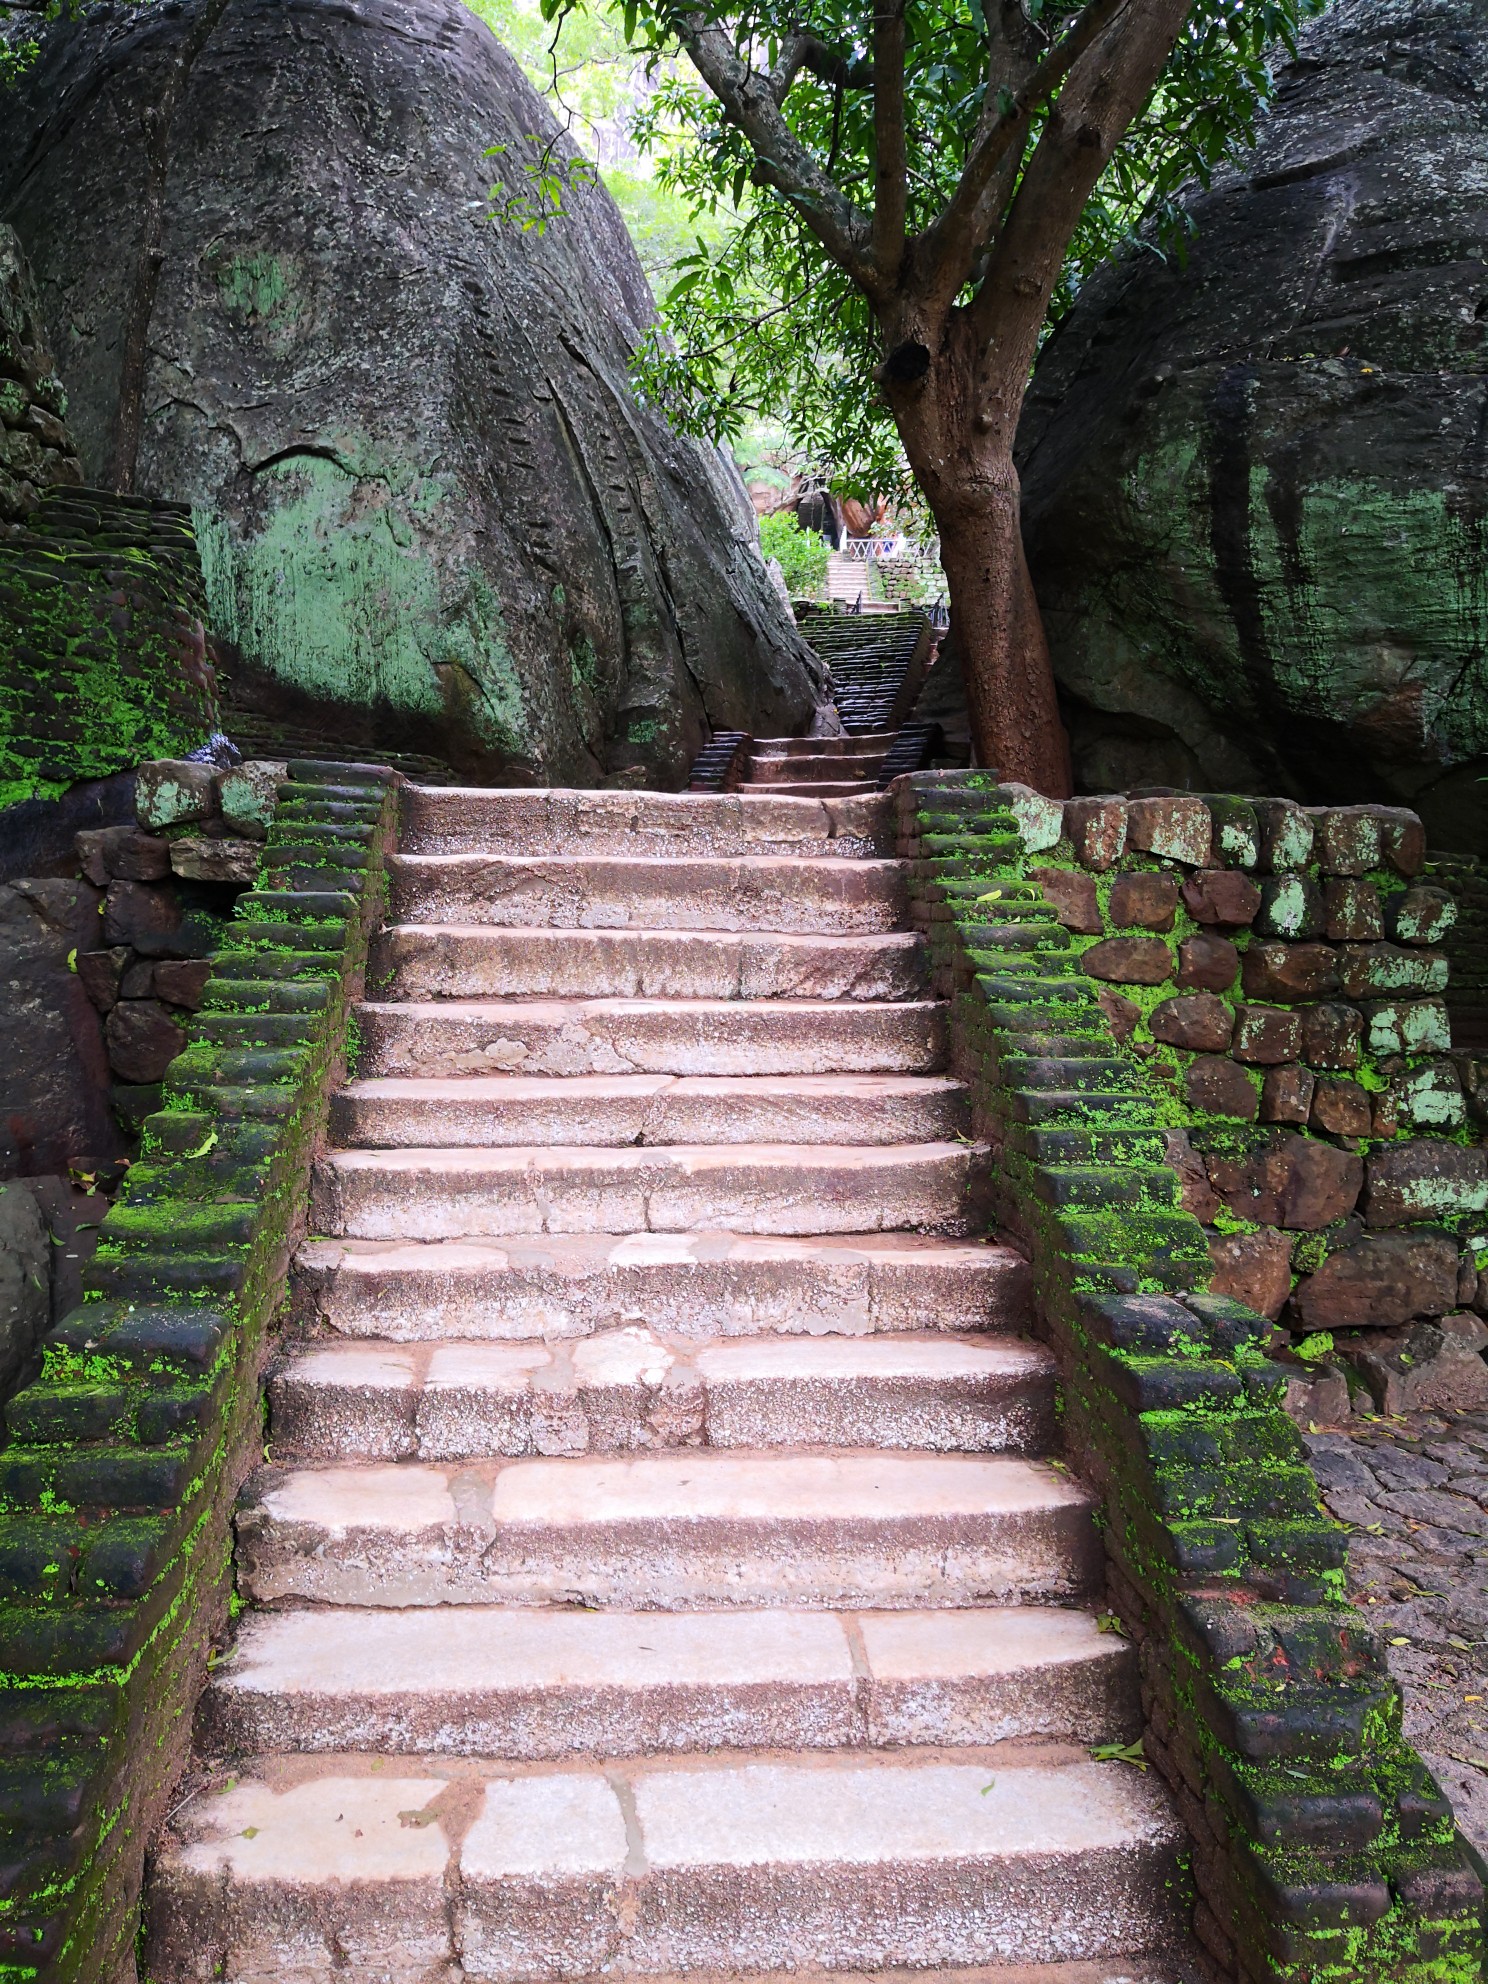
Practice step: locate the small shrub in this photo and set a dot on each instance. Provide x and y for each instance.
(801, 554)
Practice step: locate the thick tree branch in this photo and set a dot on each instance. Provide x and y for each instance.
(1104, 93)
(890, 181)
(808, 51)
(781, 160)
(954, 240)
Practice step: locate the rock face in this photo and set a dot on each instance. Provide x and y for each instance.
(1256, 487)
(35, 447)
(432, 515)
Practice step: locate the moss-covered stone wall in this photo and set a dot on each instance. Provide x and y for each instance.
(125, 1452)
(1322, 1848)
(1282, 974)
(104, 657)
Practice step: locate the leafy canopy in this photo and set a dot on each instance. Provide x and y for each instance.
(760, 321)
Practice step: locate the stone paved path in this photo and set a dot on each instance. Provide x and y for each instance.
(1416, 1491)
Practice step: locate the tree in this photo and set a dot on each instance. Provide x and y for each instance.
(928, 177)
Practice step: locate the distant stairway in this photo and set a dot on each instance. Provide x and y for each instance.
(659, 1571)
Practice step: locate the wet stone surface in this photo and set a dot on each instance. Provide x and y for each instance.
(1415, 1490)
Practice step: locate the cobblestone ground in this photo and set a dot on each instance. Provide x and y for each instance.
(1416, 1491)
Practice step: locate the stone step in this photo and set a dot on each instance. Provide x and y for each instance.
(845, 746)
(307, 1871)
(632, 1388)
(479, 819)
(818, 788)
(532, 1683)
(650, 1110)
(652, 1036)
(472, 961)
(692, 1285)
(766, 768)
(423, 1194)
(673, 1531)
(843, 897)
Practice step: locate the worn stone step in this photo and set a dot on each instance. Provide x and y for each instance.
(651, 1036)
(471, 961)
(650, 1110)
(769, 768)
(479, 819)
(687, 1284)
(423, 1194)
(532, 1683)
(671, 1530)
(846, 746)
(842, 896)
(732, 1865)
(815, 788)
(635, 1388)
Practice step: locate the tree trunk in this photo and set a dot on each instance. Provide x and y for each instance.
(957, 422)
(999, 637)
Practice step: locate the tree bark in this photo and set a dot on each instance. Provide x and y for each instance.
(957, 420)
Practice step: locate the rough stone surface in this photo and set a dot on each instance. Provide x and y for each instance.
(1426, 1178)
(1072, 897)
(1129, 961)
(1331, 1036)
(1289, 1181)
(1383, 1280)
(25, 1279)
(413, 432)
(1266, 1036)
(1221, 895)
(36, 450)
(1206, 963)
(1143, 901)
(53, 1072)
(1240, 468)
(1200, 1022)
(1413, 1491)
(1286, 1094)
(1218, 1087)
(1341, 1108)
(143, 1039)
(1429, 1365)
(1255, 1268)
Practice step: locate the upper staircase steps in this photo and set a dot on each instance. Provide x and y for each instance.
(662, 1565)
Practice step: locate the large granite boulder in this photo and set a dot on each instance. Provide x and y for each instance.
(36, 450)
(1256, 483)
(432, 515)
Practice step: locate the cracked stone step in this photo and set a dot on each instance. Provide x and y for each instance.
(651, 1036)
(672, 1530)
(464, 819)
(472, 961)
(631, 1389)
(423, 1194)
(527, 1684)
(686, 1284)
(650, 1110)
(756, 893)
(317, 1871)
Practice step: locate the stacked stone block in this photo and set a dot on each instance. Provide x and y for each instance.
(169, 885)
(124, 1455)
(1322, 1846)
(1280, 971)
(104, 656)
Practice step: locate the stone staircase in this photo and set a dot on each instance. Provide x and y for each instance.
(815, 767)
(660, 1569)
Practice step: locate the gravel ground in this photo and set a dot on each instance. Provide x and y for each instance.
(1415, 1490)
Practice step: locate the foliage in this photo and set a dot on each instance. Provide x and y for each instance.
(762, 319)
(802, 555)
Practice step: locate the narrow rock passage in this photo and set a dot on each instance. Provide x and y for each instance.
(659, 1569)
